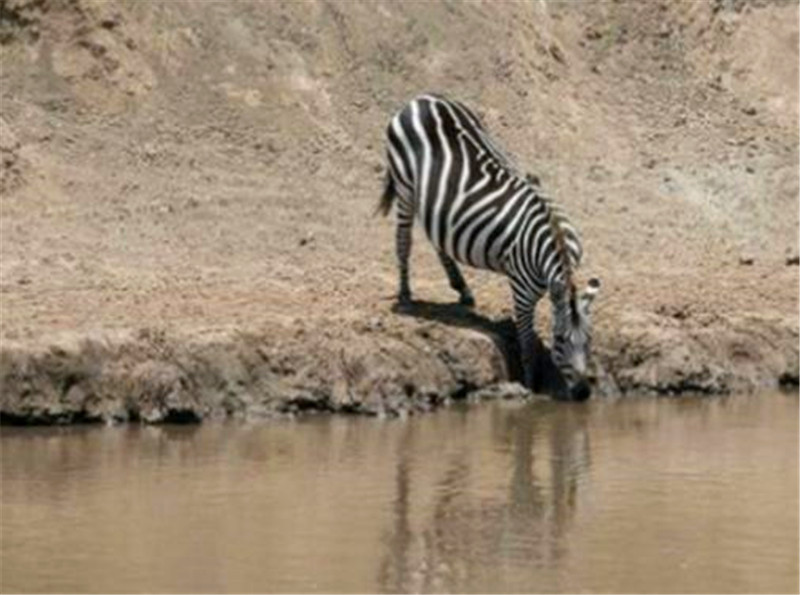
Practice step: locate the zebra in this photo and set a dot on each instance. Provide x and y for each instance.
(479, 209)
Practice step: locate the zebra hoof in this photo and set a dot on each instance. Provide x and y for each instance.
(467, 300)
(404, 304)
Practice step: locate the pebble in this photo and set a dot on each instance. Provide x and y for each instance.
(375, 324)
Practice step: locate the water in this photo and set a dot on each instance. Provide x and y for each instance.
(633, 496)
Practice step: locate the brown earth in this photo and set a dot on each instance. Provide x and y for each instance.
(188, 192)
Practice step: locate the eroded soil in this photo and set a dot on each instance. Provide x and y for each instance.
(188, 192)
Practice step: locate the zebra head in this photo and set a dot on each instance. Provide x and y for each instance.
(572, 335)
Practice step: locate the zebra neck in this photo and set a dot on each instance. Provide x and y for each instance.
(559, 297)
(564, 262)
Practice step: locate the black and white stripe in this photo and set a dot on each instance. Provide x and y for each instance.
(479, 209)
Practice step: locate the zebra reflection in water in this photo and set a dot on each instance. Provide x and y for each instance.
(463, 539)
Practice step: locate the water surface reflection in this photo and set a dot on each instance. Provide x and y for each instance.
(633, 496)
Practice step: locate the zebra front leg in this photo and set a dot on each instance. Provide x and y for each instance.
(524, 307)
(456, 279)
(403, 237)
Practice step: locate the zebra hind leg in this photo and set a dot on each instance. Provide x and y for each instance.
(403, 237)
(457, 280)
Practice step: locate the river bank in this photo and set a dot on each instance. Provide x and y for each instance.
(388, 365)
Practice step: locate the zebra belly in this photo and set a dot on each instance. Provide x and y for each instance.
(468, 239)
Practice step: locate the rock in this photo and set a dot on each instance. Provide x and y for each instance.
(557, 53)
(750, 111)
(746, 260)
(111, 22)
(504, 390)
(149, 151)
(162, 394)
(593, 34)
(792, 260)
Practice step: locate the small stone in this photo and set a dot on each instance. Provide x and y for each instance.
(746, 260)
(750, 111)
(593, 34)
(556, 53)
(533, 179)
(375, 324)
(149, 151)
(750, 169)
(793, 261)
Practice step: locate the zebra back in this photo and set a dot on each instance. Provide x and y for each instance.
(473, 201)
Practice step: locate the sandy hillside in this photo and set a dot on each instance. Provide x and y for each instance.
(188, 192)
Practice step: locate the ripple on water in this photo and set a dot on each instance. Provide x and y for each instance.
(629, 496)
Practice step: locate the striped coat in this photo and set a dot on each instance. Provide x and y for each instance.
(479, 209)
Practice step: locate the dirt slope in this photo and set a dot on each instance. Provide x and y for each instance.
(188, 192)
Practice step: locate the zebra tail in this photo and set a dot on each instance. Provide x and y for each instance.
(385, 205)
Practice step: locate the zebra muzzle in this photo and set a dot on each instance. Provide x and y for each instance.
(580, 391)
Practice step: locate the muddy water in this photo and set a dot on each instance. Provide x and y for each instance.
(633, 496)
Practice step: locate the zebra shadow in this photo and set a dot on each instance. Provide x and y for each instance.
(503, 333)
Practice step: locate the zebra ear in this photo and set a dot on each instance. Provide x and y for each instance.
(591, 291)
